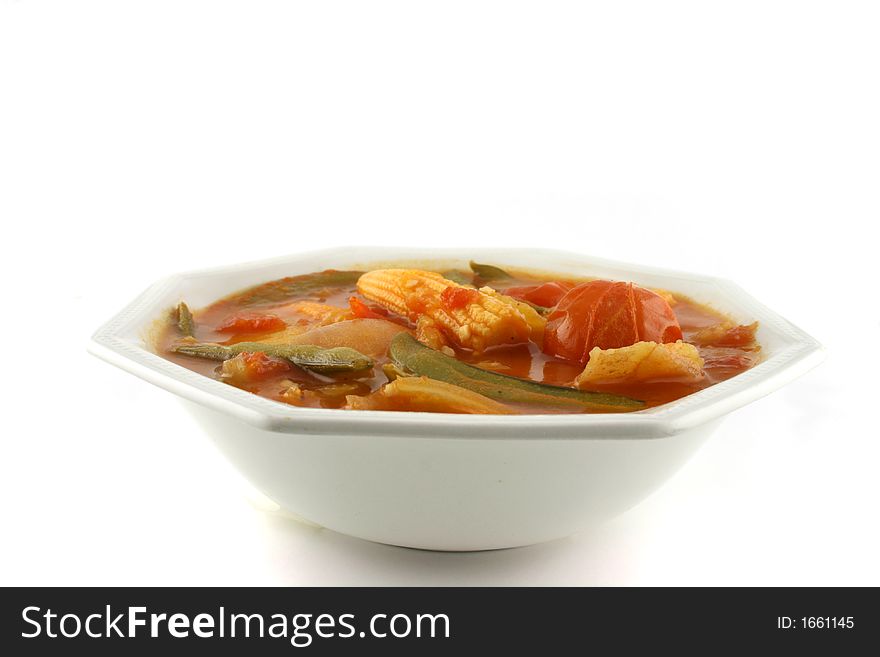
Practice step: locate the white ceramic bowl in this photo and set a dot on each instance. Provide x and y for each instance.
(451, 482)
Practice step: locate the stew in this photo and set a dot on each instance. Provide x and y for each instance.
(489, 340)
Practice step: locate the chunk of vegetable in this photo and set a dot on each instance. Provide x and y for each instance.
(545, 295)
(329, 396)
(250, 367)
(607, 315)
(643, 361)
(460, 277)
(341, 389)
(726, 334)
(368, 336)
(362, 311)
(252, 323)
(411, 355)
(534, 319)
(489, 273)
(294, 394)
(729, 357)
(419, 393)
(313, 315)
(311, 357)
(456, 297)
(321, 314)
(393, 371)
(469, 318)
(185, 323)
(430, 333)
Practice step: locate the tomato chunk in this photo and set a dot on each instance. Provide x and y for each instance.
(250, 367)
(252, 323)
(545, 294)
(726, 335)
(362, 311)
(454, 298)
(259, 364)
(607, 315)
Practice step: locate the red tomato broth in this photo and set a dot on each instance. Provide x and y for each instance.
(526, 361)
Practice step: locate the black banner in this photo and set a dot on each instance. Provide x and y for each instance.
(115, 621)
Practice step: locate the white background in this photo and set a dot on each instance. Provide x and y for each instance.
(142, 138)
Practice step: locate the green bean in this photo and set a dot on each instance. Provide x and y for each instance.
(410, 354)
(496, 275)
(202, 350)
(185, 323)
(310, 357)
(460, 277)
(488, 273)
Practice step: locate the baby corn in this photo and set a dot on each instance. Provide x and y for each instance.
(465, 316)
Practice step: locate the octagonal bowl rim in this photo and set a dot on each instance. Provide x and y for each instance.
(118, 343)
